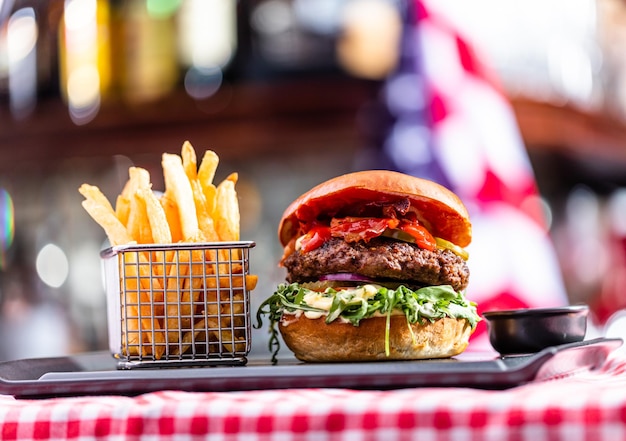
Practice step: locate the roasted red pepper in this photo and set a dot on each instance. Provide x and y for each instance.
(422, 237)
(315, 238)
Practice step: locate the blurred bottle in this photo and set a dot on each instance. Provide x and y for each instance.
(145, 49)
(49, 15)
(85, 57)
(207, 42)
(26, 55)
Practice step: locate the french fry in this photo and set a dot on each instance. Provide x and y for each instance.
(223, 335)
(138, 224)
(210, 193)
(92, 192)
(203, 212)
(190, 164)
(159, 229)
(208, 166)
(199, 271)
(173, 218)
(188, 338)
(177, 305)
(115, 231)
(227, 218)
(205, 220)
(176, 181)
(126, 190)
(122, 208)
(221, 325)
(138, 178)
(206, 174)
(157, 220)
(233, 177)
(183, 291)
(232, 284)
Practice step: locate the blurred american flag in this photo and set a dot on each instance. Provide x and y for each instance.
(450, 122)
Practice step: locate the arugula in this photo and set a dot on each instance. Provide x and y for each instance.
(428, 303)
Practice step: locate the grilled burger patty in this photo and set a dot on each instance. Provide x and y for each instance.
(381, 258)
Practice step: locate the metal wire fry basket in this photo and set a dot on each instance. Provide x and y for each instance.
(185, 304)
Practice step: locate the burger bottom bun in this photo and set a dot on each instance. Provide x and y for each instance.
(316, 341)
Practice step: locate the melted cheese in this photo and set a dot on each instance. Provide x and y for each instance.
(317, 300)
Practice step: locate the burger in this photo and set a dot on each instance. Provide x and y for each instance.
(376, 270)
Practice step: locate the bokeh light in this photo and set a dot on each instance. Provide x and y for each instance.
(162, 8)
(22, 34)
(7, 225)
(52, 265)
(208, 32)
(272, 17)
(201, 83)
(22, 37)
(369, 44)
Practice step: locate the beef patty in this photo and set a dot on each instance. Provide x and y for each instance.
(381, 258)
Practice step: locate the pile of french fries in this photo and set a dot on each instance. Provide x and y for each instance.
(171, 297)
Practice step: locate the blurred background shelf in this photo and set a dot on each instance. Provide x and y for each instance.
(243, 120)
(249, 119)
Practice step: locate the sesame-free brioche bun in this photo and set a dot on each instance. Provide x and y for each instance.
(313, 340)
(439, 209)
(346, 258)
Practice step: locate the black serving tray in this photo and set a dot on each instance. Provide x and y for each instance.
(96, 373)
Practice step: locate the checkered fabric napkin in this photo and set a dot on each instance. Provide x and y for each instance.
(590, 405)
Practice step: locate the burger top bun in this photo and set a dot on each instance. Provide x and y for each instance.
(439, 210)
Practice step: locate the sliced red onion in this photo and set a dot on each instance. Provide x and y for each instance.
(346, 277)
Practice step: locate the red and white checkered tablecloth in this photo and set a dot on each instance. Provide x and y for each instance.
(589, 405)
